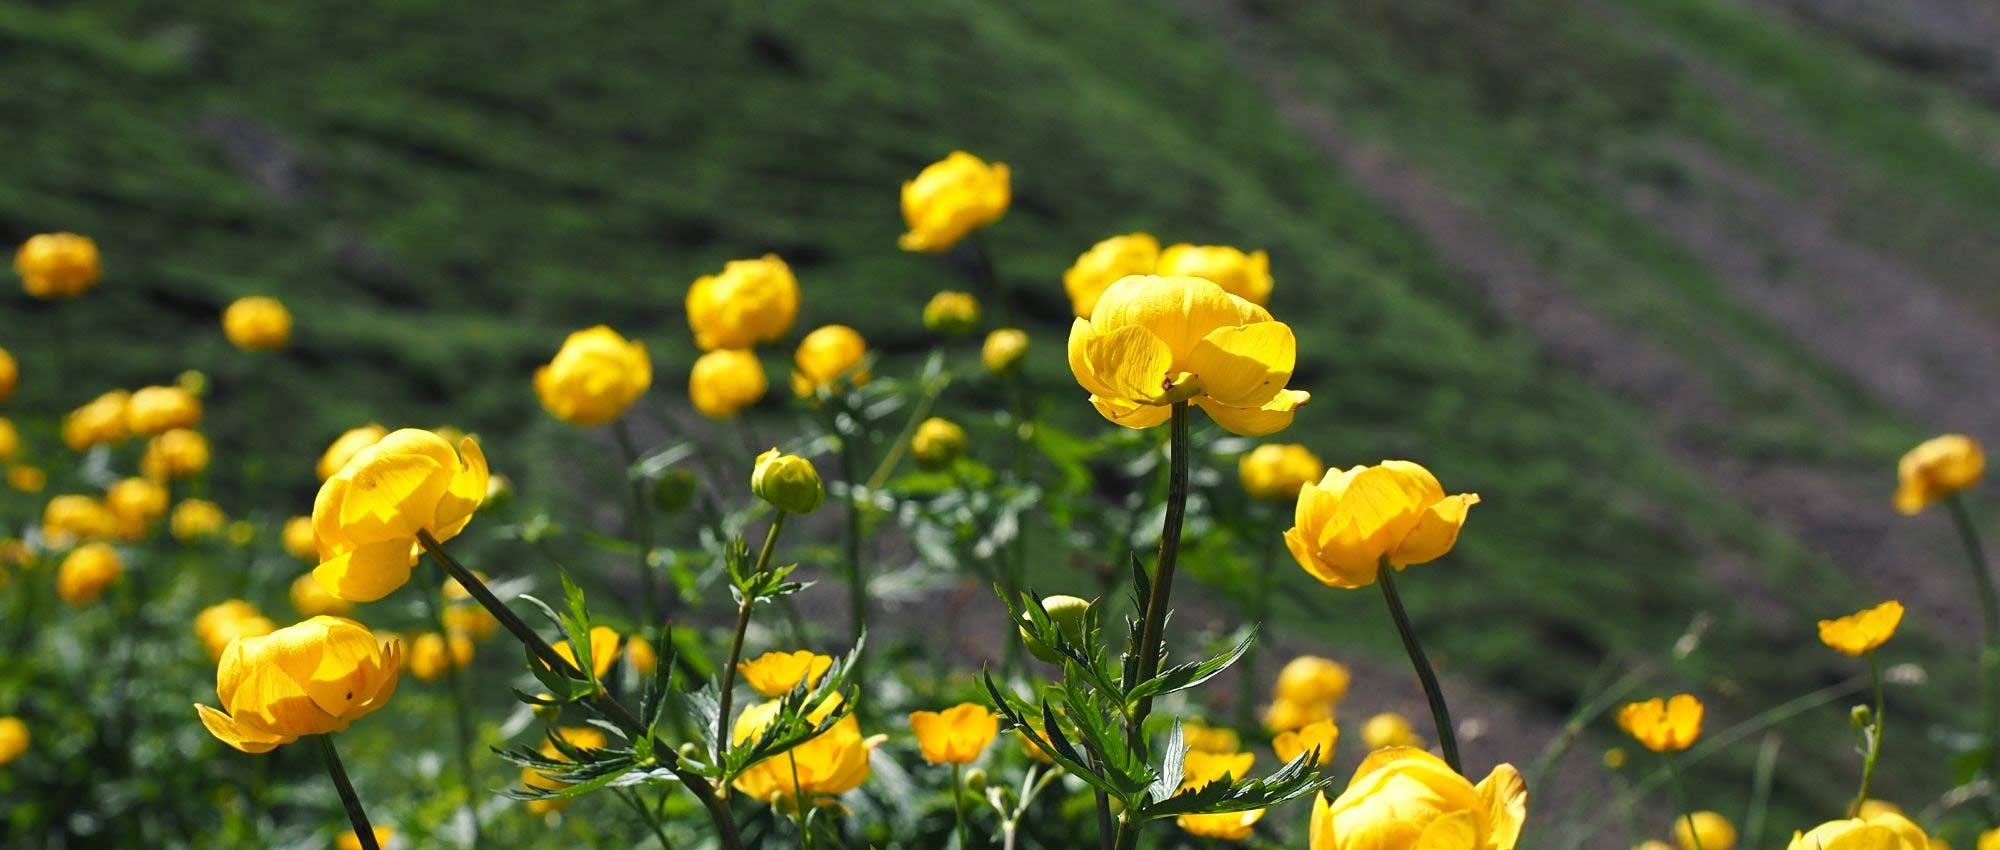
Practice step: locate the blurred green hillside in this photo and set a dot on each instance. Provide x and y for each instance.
(1640, 272)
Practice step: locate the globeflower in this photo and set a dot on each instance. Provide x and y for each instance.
(180, 453)
(1246, 276)
(101, 422)
(312, 678)
(13, 739)
(1320, 736)
(829, 765)
(1284, 715)
(1153, 342)
(1312, 679)
(1002, 352)
(196, 519)
(1203, 738)
(57, 265)
(725, 381)
(346, 446)
(787, 482)
(1406, 799)
(1104, 264)
(87, 571)
(369, 515)
(603, 651)
(257, 323)
(136, 503)
(956, 735)
(1277, 471)
(828, 358)
(1354, 519)
(1936, 468)
(1861, 632)
(1663, 726)
(775, 674)
(951, 198)
(1887, 831)
(223, 622)
(1201, 768)
(433, 654)
(154, 410)
(952, 313)
(70, 518)
(1711, 831)
(937, 443)
(1389, 729)
(748, 302)
(299, 539)
(310, 599)
(595, 376)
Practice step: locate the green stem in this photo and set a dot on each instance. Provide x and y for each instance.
(460, 705)
(348, 799)
(918, 413)
(642, 529)
(1440, 713)
(958, 807)
(743, 626)
(799, 805)
(1874, 737)
(1152, 631)
(645, 814)
(1760, 790)
(1989, 607)
(857, 583)
(1680, 800)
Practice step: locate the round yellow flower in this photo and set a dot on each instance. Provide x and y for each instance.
(57, 265)
(1277, 471)
(10, 374)
(725, 381)
(1226, 826)
(196, 519)
(311, 600)
(1714, 831)
(952, 313)
(311, 678)
(774, 674)
(1405, 799)
(180, 453)
(1104, 264)
(14, 739)
(299, 539)
(1861, 632)
(1936, 468)
(639, 653)
(595, 376)
(828, 358)
(349, 841)
(1353, 519)
(432, 654)
(748, 302)
(1663, 726)
(1389, 729)
(787, 482)
(576, 738)
(1003, 350)
(834, 763)
(69, 518)
(1872, 807)
(1202, 768)
(937, 443)
(136, 502)
(346, 446)
(471, 620)
(223, 622)
(87, 571)
(951, 198)
(1319, 735)
(98, 423)
(368, 515)
(956, 735)
(1153, 342)
(1284, 715)
(257, 323)
(10, 439)
(1312, 679)
(1886, 831)
(1246, 276)
(27, 479)
(154, 410)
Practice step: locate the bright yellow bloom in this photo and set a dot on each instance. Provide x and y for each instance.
(834, 763)
(154, 410)
(101, 422)
(777, 673)
(180, 453)
(952, 313)
(311, 600)
(1988, 840)
(27, 479)
(956, 735)
(1886, 831)
(1714, 831)
(1936, 468)
(1202, 768)
(471, 620)
(1663, 726)
(1861, 632)
(1284, 715)
(223, 622)
(937, 443)
(1277, 471)
(1153, 342)
(10, 374)
(603, 650)
(725, 381)
(87, 571)
(299, 539)
(1389, 729)
(578, 738)
(136, 502)
(14, 739)
(211, 619)
(349, 841)
(57, 265)
(1322, 735)
(639, 653)
(788, 482)
(1312, 679)
(369, 513)
(346, 446)
(951, 198)
(748, 302)
(1353, 519)
(1407, 799)
(432, 655)
(257, 323)
(827, 359)
(1872, 807)
(1201, 737)
(1246, 276)
(595, 376)
(1227, 826)
(69, 518)
(196, 519)
(1104, 264)
(312, 678)
(1003, 350)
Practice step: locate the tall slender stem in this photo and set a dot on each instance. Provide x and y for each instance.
(1152, 630)
(1680, 800)
(1440, 714)
(743, 626)
(348, 799)
(958, 806)
(1874, 737)
(1989, 655)
(857, 583)
(615, 711)
(461, 708)
(642, 529)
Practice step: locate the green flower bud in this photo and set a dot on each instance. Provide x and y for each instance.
(975, 780)
(674, 490)
(499, 492)
(1069, 613)
(788, 482)
(938, 443)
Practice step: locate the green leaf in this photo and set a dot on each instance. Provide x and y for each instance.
(1192, 674)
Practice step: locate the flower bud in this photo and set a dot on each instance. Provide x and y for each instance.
(57, 265)
(829, 358)
(257, 323)
(194, 382)
(674, 490)
(240, 533)
(938, 443)
(1070, 614)
(1859, 716)
(952, 313)
(1004, 350)
(725, 381)
(975, 780)
(788, 482)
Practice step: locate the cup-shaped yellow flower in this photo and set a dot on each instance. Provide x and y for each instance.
(1104, 264)
(1153, 342)
(311, 678)
(57, 265)
(86, 571)
(834, 763)
(1284, 715)
(956, 735)
(350, 841)
(10, 439)
(937, 443)
(1320, 735)
(1663, 726)
(196, 519)
(180, 453)
(748, 302)
(787, 482)
(311, 600)
(257, 323)
(777, 673)
(1002, 352)
(1278, 471)
(1711, 831)
(14, 739)
(576, 738)
(1861, 632)
(101, 422)
(368, 515)
(951, 198)
(10, 374)
(603, 650)
(155, 410)
(1887, 831)
(1408, 799)
(828, 358)
(432, 655)
(952, 313)
(346, 446)
(1936, 468)
(1247, 276)
(1354, 519)
(1389, 729)
(136, 502)
(1312, 679)
(595, 376)
(726, 381)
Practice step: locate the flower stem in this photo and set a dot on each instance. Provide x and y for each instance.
(348, 799)
(1152, 632)
(1440, 713)
(642, 530)
(459, 704)
(857, 583)
(958, 806)
(1680, 799)
(1989, 656)
(742, 626)
(1874, 737)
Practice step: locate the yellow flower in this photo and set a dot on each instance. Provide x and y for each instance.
(1353, 519)
(1246, 276)
(1886, 831)
(1936, 468)
(69, 518)
(937, 443)
(346, 446)
(834, 763)
(1285, 715)
(223, 622)
(1406, 799)
(1714, 831)
(311, 678)
(471, 620)
(603, 650)
(87, 571)
(595, 376)
(748, 302)
(952, 313)
(299, 539)
(639, 653)
(1663, 726)
(1872, 807)
(577, 738)
(776, 673)
(98, 423)
(1861, 632)
(196, 519)
(788, 482)
(951, 198)
(310, 599)
(13, 739)
(1277, 471)
(349, 841)
(1153, 342)
(1202, 768)
(369, 513)
(257, 323)
(27, 479)
(1988, 840)
(136, 502)
(432, 654)
(154, 410)
(1227, 826)
(10, 374)
(1389, 729)
(1653, 844)
(57, 265)
(179, 453)
(1003, 350)
(725, 381)
(1107, 261)
(1312, 679)
(1322, 735)
(1201, 737)
(828, 358)
(956, 735)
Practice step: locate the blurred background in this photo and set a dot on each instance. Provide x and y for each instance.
(1671, 283)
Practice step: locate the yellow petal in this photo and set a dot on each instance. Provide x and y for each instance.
(1274, 416)
(1455, 831)
(391, 494)
(1435, 532)
(1178, 310)
(1130, 361)
(369, 572)
(1135, 416)
(467, 491)
(228, 731)
(1245, 365)
(1505, 798)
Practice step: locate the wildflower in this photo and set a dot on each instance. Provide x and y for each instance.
(831, 764)
(639, 653)
(952, 313)
(938, 443)
(14, 739)
(155, 410)
(1872, 807)
(299, 540)
(748, 302)
(1936, 468)
(595, 376)
(10, 374)
(432, 654)
(1389, 729)
(223, 622)
(196, 519)
(1153, 342)
(369, 514)
(1312, 679)
(310, 599)
(349, 841)
(1353, 519)
(725, 381)
(1201, 737)
(1277, 471)
(136, 503)
(1104, 264)
(1711, 831)
(827, 359)
(27, 479)
(1663, 726)
(472, 621)
(257, 323)
(575, 738)
(951, 198)
(1002, 352)
(788, 482)
(1284, 715)
(956, 735)
(87, 571)
(1886, 831)
(1320, 735)
(777, 673)
(1225, 826)
(1071, 615)
(1861, 632)
(1246, 276)
(180, 453)
(1200, 769)
(603, 651)
(57, 265)
(101, 422)
(70, 518)
(346, 446)
(1404, 799)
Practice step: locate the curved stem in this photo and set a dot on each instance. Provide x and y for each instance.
(742, 626)
(1989, 607)
(460, 705)
(1440, 713)
(348, 799)
(1680, 800)
(1152, 631)
(642, 530)
(1874, 738)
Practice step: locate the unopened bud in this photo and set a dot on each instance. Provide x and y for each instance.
(788, 482)
(938, 443)
(1069, 614)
